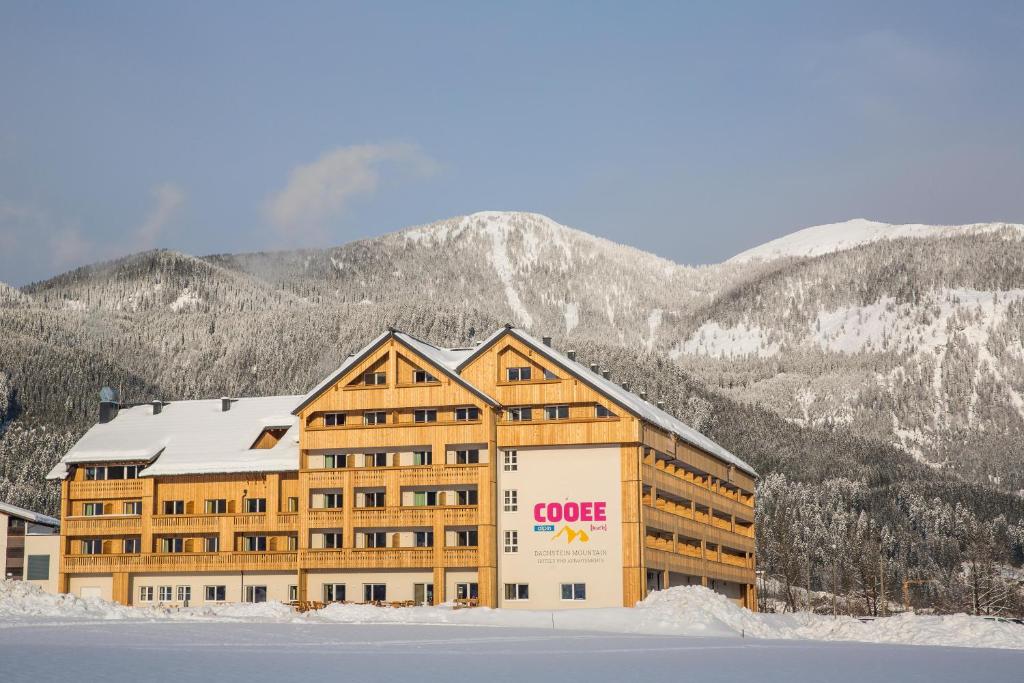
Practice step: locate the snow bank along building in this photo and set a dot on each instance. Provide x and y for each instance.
(506, 474)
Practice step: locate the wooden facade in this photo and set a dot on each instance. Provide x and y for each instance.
(400, 444)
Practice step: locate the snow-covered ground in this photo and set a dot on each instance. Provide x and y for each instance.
(688, 631)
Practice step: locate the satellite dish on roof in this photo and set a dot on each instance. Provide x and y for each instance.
(108, 395)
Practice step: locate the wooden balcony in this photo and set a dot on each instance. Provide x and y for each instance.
(386, 558)
(683, 563)
(102, 525)
(184, 562)
(408, 475)
(675, 483)
(180, 524)
(111, 488)
(668, 521)
(413, 515)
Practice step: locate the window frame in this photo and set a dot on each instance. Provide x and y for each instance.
(511, 500)
(372, 418)
(260, 505)
(422, 377)
(330, 592)
(467, 414)
(599, 408)
(146, 593)
(519, 414)
(136, 545)
(215, 590)
(174, 506)
(511, 541)
(467, 535)
(132, 507)
(370, 592)
(424, 415)
(519, 592)
(255, 539)
(557, 411)
(375, 378)
(219, 506)
(334, 419)
(577, 592)
(519, 373)
(510, 461)
(467, 456)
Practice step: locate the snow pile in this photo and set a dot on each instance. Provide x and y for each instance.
(682, 611)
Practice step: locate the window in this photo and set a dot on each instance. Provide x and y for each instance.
(211, 544)
(375, 417)
(466, 538)
(92, 546)
(601, 411)
(38, 568)
(293, 541)
(467, 457)
(174, 507)
(293, 593)
(574, 591)
(145, 594)
(95, 473)
(424, 539)
(424, 415)
(255, 504)
(422, 458)
(520, 414)
(422, 376)
(548, 375)
(556, 412)
(92, 509)
(511, 541)
(375, 592)
(332, 500)
(132, 546)
(184, 593)
(373, 499)
(466, 497)
(173, 544)
(334, 592)
(216, 507)
(334, 419)
(255, 594)
(467, 591)
(511, 500)
(254, 544)
(215, 593)
(511, 461)
(332, 539)
(293, 503)
(123, 472)
(132, 507)
(375, 460)
(521, 374)
(424, 498)
(166, 594)
(517, 591)
(335, 461)
(467, 414)
(376, 539)
(375, 378)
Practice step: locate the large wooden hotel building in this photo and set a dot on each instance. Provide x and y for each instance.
(506, 474)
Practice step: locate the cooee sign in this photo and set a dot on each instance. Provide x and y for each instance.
(586, 511)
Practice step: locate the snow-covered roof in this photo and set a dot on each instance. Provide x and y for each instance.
(193, 437)
(28, 515)
(628, 400)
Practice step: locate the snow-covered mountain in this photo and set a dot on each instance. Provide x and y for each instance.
(826, 239)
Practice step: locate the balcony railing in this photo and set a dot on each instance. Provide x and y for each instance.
(109, 488)
(236, 561)
(102, 524)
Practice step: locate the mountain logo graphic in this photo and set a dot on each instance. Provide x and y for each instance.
(572, 535)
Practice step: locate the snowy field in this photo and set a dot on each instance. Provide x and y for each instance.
(678, 635)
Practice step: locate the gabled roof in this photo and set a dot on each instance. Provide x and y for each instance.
(628, 400)
(192, 437)
(446, 361)
(28, 515)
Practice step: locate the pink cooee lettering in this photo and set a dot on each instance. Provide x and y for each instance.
(538, 512)
(586, 511)
(599, 512)
(571, 512)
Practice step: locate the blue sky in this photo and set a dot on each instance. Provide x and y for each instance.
(693, 130)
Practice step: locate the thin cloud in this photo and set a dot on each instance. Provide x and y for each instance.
(322, 190)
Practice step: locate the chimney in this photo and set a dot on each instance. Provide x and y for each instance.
(108, 411)
(546, 340)
(661, 405)
(594, 367)
(158, 406)
(625, 385)
(643, 394)
(607, 374)
(571, 354)
(225, 404)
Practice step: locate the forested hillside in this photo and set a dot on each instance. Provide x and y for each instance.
(877, 386)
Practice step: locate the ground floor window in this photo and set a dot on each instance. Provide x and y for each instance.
(375, 592)
(166, 594)
(466, 591)
(145, 593)
(184, 593)
(517, 591)
(423, 593)
(293, 593)
(334, 592)
(574, 591)
(255, 594)
(215, 593)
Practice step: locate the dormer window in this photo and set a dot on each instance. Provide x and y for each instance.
(334, 419)
(375, 378)
(422, 377)
(549, 375)
(269, 437)
(520, 374)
